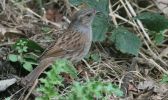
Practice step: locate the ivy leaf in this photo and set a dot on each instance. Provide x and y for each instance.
(100, 27)
(153, 21)
(126, 41)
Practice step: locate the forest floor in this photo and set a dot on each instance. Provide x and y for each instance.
(128, 59)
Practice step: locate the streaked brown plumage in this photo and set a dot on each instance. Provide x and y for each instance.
(73, 44)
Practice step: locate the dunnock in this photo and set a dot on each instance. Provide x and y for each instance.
(73, 44)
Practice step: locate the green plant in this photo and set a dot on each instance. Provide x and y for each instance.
(8, 98)
(95, 56)
(155, 23)
(22, 47)
(54, 78)
(45, 29)
(91, 90)
(125, 41)
(101, 18)
(164, 78)
(85, 91)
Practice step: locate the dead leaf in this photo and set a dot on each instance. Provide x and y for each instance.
(159, 89)
(164, 53)
(146, 95)
(162, 5)
(147, 84)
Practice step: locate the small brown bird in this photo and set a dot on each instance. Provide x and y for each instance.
(73, 44)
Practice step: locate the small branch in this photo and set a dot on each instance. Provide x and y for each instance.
(31, 89)
(88, 66)
(112, 14)
(32, 12)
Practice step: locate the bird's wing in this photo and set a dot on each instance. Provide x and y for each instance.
(67, 43)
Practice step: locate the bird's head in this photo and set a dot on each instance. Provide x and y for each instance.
(84, 17)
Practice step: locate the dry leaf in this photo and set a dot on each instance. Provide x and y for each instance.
(162, 5)
(164, 53)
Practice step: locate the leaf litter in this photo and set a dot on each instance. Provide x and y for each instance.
(139, 79)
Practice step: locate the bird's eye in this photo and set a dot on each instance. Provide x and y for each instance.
(88, 15)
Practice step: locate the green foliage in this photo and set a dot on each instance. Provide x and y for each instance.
(99, 5)
(156, 23)
(53, 78)
(93, 56)
(100, 24)
(28, 65)
(125, 41)
(100, 27)
(28, 44)
(86, 91)
(164, 78)
(46, 29)
(158, 38)
(22, 47)
(76, 2)
(153, 21)
(18, 0)
(13, 57)
(92, 90)
(8, 98)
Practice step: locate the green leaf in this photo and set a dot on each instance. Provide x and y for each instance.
(46, 29)
(66, 66)
(114, 89)
(54, 78)
(24, 43)
(126, 41)
(13, 57)
(95, 56)
(164, 78)
(31, 57)
(92, 89)
(159, 38)
(100, 26)
(76, 2)
(99, 5)
(153, 21)
(8, 98)
(28, 66)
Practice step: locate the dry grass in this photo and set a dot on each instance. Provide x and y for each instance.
(20, 20)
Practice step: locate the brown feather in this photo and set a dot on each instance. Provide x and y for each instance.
(73, 45)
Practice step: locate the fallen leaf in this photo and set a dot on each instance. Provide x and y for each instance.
(162, 5)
